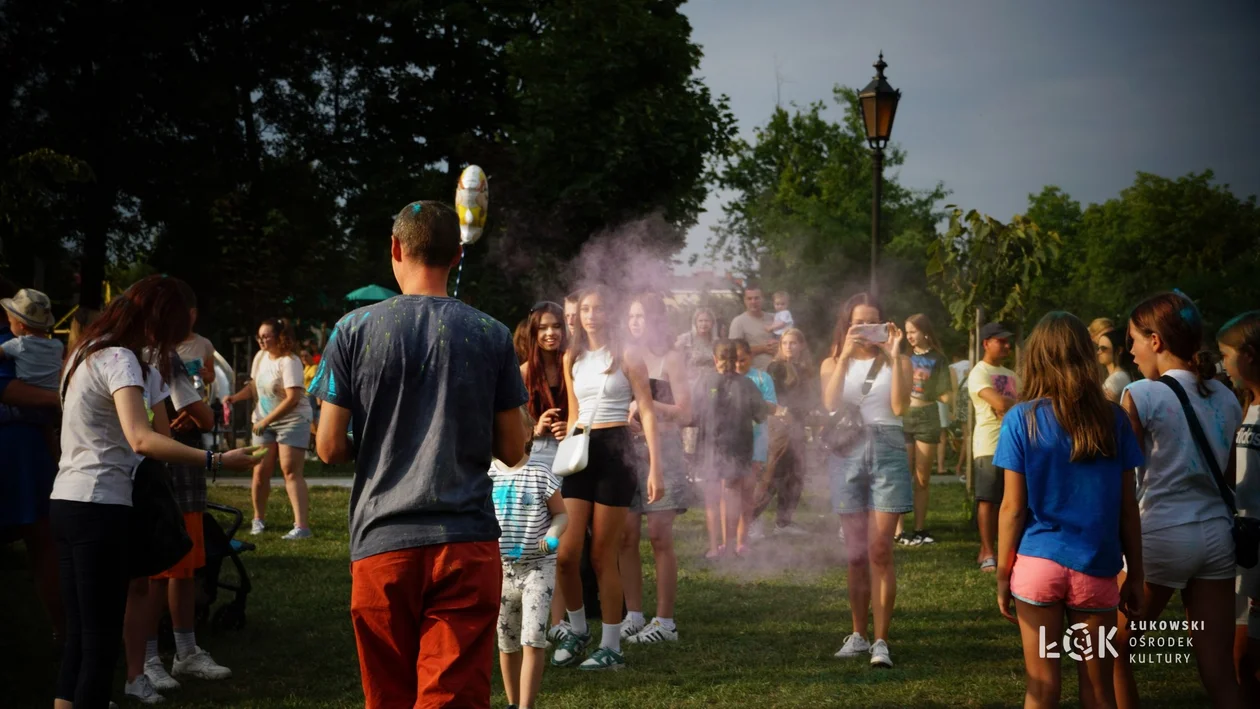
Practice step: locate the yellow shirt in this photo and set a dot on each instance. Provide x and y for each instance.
(988, 423)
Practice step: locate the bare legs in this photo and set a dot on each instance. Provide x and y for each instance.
(522, 674)
(1210, 602)
(872, 576)
(661, 536)
(987, 514)
(1044, 674)
(608, 525)
(292, 460)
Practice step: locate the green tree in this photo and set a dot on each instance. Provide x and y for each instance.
(260, 150)
(1158, 234)
(801, 217)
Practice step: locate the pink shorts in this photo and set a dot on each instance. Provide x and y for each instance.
(1042, 582)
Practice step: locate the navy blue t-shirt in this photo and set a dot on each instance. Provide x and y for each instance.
(1073, 508)
(423, 378)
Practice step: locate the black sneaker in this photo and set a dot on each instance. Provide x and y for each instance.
(921, 537)
(906, 539)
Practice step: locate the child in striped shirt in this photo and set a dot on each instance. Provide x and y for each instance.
(531, 515)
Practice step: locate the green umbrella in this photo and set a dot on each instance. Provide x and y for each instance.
(370, 294)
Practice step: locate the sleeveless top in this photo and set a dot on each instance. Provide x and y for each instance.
(588, 381)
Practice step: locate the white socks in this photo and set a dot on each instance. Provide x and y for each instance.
(577, 621)
(185, 644)
(150, 649)
(635, 617)
(668, 623)
(612, 637)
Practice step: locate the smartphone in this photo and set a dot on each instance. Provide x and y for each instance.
(877, 333)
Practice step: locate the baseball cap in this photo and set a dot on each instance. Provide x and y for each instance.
(31, 307)
(994, 330)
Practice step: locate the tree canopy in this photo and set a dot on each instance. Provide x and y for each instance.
(260, 150)
(801, 216)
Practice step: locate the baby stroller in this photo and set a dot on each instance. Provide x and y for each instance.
(221, 545)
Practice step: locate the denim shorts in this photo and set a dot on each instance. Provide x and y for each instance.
(874, 475)
(294, 432)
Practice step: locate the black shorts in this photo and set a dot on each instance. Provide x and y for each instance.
(609, 478)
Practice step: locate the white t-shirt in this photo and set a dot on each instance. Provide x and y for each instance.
(1115, 384)
(960, 369)
(96, 460)
(272, 376)
(877, 405)
(196, 352)
(782, 321)
(988, 423)
(182, 391)
(1176, 486)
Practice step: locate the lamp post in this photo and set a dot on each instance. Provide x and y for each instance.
(878, 103)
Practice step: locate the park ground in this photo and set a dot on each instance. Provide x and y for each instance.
(756, 633)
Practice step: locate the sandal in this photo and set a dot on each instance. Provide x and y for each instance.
(715, 555)
(989, 564)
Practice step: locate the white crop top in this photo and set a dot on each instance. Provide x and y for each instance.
(877, 405)
(589, 379)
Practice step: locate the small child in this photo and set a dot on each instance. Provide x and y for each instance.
(37, 355)
(531, 514)
(725, 407)
(782, 316)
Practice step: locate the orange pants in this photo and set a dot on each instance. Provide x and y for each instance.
(424, 622)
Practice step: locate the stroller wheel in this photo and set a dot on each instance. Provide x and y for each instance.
(229, 617)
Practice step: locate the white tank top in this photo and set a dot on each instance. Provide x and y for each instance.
(876, 406)
(588, 382)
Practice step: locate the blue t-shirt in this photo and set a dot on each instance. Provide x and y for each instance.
(1073, 508)
(423, 378)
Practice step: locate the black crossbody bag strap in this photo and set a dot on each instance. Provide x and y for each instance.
(1200, 439)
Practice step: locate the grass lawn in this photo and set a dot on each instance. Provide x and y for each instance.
(761, 633)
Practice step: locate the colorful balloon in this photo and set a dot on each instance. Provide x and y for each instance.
(472, 199)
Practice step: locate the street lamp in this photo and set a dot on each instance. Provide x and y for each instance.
(878, 103)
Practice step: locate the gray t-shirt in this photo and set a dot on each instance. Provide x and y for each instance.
(753, 330)
(423, 378)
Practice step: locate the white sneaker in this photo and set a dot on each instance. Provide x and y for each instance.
(158, 676)
(630, 628)
(791, 530)
(142, 691)
(654, 632)
(854, 646)
(841, 535)
(880, 656)
(297, 533)
(200, 665)
(756, 531)
(258, 527)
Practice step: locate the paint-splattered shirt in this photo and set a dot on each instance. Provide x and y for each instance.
(423, 378)
(520, 502)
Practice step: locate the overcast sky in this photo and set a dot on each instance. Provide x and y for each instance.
(1002, 97)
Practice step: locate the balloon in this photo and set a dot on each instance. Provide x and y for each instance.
(472, 199)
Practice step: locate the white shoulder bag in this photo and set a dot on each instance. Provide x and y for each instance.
(574, 451)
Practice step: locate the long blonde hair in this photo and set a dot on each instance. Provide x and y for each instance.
(1060, 364)
(802, 366)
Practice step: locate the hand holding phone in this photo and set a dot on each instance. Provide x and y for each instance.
(876, 333)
